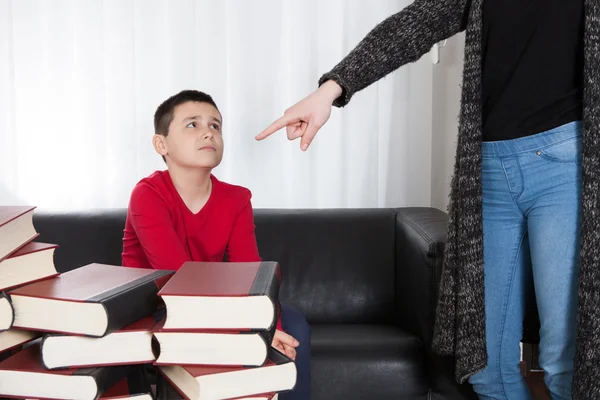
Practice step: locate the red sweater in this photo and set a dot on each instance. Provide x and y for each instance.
(162, 233)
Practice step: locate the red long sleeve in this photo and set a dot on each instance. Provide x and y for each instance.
(242, 241)
(151, 220)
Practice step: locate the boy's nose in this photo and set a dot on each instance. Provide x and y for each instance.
(207, 134)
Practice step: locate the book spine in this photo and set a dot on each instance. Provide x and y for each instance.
(268, 335)
(137, 380)
(7, 324)
(165, 390)
(105, 377)
(126, 305)
(42, 343)
(10, 352)
(266, 283)
(279, 359)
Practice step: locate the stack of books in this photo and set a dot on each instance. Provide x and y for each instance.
(78, 335)
(22, 261)
(215, 341)
(91, 333)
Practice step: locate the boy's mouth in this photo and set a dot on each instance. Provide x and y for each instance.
(207, 148)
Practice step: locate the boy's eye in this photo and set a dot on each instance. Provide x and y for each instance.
(215, 126)
(191, 125)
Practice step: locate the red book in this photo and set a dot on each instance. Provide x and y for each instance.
(23, 375)
(93, 300)
(129, 345)
(16, 228)
(32, 262)
(223, 296)
(227, 348)
(204, 382)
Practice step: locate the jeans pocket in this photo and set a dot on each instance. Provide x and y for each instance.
(567, 151)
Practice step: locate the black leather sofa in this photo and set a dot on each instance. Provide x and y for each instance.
(366, 279)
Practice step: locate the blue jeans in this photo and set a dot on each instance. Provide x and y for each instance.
(294, 324)
(531, 220)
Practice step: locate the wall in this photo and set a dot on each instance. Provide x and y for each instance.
(447, 77)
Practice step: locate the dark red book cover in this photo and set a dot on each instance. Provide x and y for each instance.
(119, 389)
(146, 324)
(32, 247)
(234, 279)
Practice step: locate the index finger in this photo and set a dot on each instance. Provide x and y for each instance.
(290, 352)
(277, 125)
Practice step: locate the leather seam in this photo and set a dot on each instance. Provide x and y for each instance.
(418, 229)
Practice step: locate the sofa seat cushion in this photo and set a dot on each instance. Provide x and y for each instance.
(389, 361)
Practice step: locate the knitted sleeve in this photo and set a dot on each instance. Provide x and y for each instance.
(400, 39)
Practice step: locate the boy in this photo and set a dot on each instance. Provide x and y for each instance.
(187, 214)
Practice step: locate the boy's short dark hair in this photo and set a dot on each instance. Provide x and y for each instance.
(164, 113)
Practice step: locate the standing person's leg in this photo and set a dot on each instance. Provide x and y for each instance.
(294, 324)
(554, 223)
(506, 273)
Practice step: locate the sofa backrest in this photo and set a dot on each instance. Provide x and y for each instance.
(338, 265)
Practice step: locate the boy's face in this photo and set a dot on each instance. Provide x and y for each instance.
(195, 139)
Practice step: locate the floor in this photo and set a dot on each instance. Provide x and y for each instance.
(538, 390)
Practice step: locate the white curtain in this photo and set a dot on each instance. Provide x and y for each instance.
(80, 81)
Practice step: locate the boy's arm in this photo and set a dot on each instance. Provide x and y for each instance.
(242, 245)
(153, 226)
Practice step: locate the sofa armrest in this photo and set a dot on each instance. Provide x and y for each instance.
(420, 239)
(421, 235)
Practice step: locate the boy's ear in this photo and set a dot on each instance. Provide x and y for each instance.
(160, 146)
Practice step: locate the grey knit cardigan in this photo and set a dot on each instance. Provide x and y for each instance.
(460, 317)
